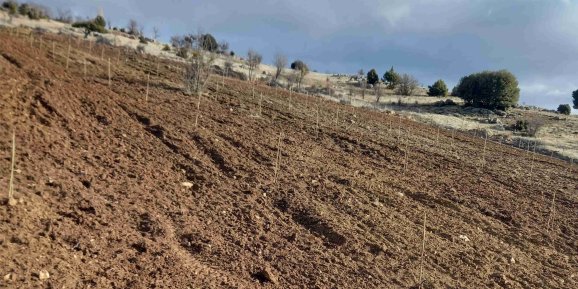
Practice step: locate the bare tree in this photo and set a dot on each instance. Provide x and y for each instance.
(182, 44)
(141, 31)
(406, 85)
(302, 70)
(280, 63)
(132, 27)
(253, 60)
(292, 79)
(156, 33)
(328, 86)
(228, 67)
(64, 16)
(198, 71)
(377, 89)
(224, 47)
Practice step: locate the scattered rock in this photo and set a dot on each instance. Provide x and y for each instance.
(464, 238)
(266, 275)
(187, 185)
(8, 277)
(12, 202)
(43, 275)
(500, 112)
(495, 120)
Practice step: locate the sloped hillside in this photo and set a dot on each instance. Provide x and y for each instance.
(119, 190)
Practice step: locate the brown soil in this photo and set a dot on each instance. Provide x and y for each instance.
(101, 201)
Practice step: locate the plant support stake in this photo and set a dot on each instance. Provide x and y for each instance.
(11, 200)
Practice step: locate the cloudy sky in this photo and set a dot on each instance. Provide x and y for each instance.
(537, 40)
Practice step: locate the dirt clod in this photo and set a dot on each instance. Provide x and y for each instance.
(266, 275)
(43, 275)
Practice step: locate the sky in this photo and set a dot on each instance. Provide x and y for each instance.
(537, 40)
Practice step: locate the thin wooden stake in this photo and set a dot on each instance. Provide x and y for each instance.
(484, 151)
(532, 161)
(109, 77)
(84, 67)
(67, 56)
(399, 128)
(317, 124)
(102, 53)
(198, 110)
(278, 163)
(53, 50)
(148, 80)
(337, 118)
(422, 251)
(405, 153)
(260, 104)
(552, 207)
(11, 200)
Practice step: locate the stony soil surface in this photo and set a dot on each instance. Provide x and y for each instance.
(116, 192)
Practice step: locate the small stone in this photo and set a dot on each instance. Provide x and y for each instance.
(512, 260)
(12, 202)
(464, 238)
(43, 275)
(187, 185)
(266, 275)
(8, 277)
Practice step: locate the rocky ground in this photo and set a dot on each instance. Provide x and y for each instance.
(117, 188)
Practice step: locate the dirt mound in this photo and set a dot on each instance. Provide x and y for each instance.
(116, 192)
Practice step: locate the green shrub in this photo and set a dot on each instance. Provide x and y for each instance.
(372, 77)
(209, 43)
(391, 78)
(575, 98)
(23, 9)
(99, 21)
(11, 6)
(142, 40)
(564, 109)
(439, 88)
(166, 48)
(298, 65)
(31, 10)
(183, 52)
(37, 12)
(520, 125)
(489, 89)
(95, 25)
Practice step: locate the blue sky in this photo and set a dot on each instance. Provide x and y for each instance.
(537, 40)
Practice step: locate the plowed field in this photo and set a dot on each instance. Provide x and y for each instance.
(270, 190)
